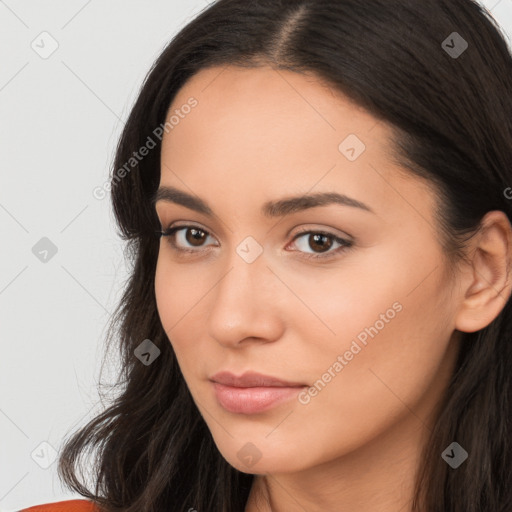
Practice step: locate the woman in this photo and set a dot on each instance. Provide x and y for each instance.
(322, 321)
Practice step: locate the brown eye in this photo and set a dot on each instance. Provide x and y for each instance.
(195, 236)
(184, 238)
(320, 242)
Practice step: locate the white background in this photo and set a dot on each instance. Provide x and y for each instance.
(60, 118)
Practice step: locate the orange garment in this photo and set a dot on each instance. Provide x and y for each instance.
(64, 506)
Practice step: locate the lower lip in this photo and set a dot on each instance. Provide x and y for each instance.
(252, 400)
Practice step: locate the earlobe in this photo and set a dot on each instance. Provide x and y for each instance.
(487, 286)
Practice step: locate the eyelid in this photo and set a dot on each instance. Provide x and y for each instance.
(174, 228)
(302, 230)
(328, 231)
(345, 243)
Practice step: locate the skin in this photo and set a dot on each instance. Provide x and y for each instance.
(258, 135)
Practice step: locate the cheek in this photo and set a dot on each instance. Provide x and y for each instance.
(177, 297)
(397, 376)
(389, 300)
(177, 294)
(373, 350)
(385, 360)
(179, 289)
(184, 295)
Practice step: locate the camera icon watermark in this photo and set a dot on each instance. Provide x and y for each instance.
(147, 352)
(454, 45)
(44, 455)
(249, 454)
(249, 249)
(454, 455)
(352, 147)
(44, 45)
(44, 250)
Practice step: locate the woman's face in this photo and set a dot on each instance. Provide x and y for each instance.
(345, 293)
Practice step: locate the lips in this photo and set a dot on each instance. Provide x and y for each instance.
(252, 393)
(252, 380)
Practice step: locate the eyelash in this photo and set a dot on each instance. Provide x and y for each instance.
(344, 244)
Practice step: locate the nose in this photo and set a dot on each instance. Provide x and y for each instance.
(247, 304)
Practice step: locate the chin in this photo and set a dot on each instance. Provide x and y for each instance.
(251, 458)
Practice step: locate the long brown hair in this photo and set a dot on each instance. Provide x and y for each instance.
(451, 110)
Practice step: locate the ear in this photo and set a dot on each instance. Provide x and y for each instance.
(487, 284)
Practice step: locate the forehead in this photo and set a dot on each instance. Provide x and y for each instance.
(267, 102)
(292, 132)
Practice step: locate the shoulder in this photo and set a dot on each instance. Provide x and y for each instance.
(64, 506)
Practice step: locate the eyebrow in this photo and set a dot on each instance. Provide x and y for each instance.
(278, 208)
